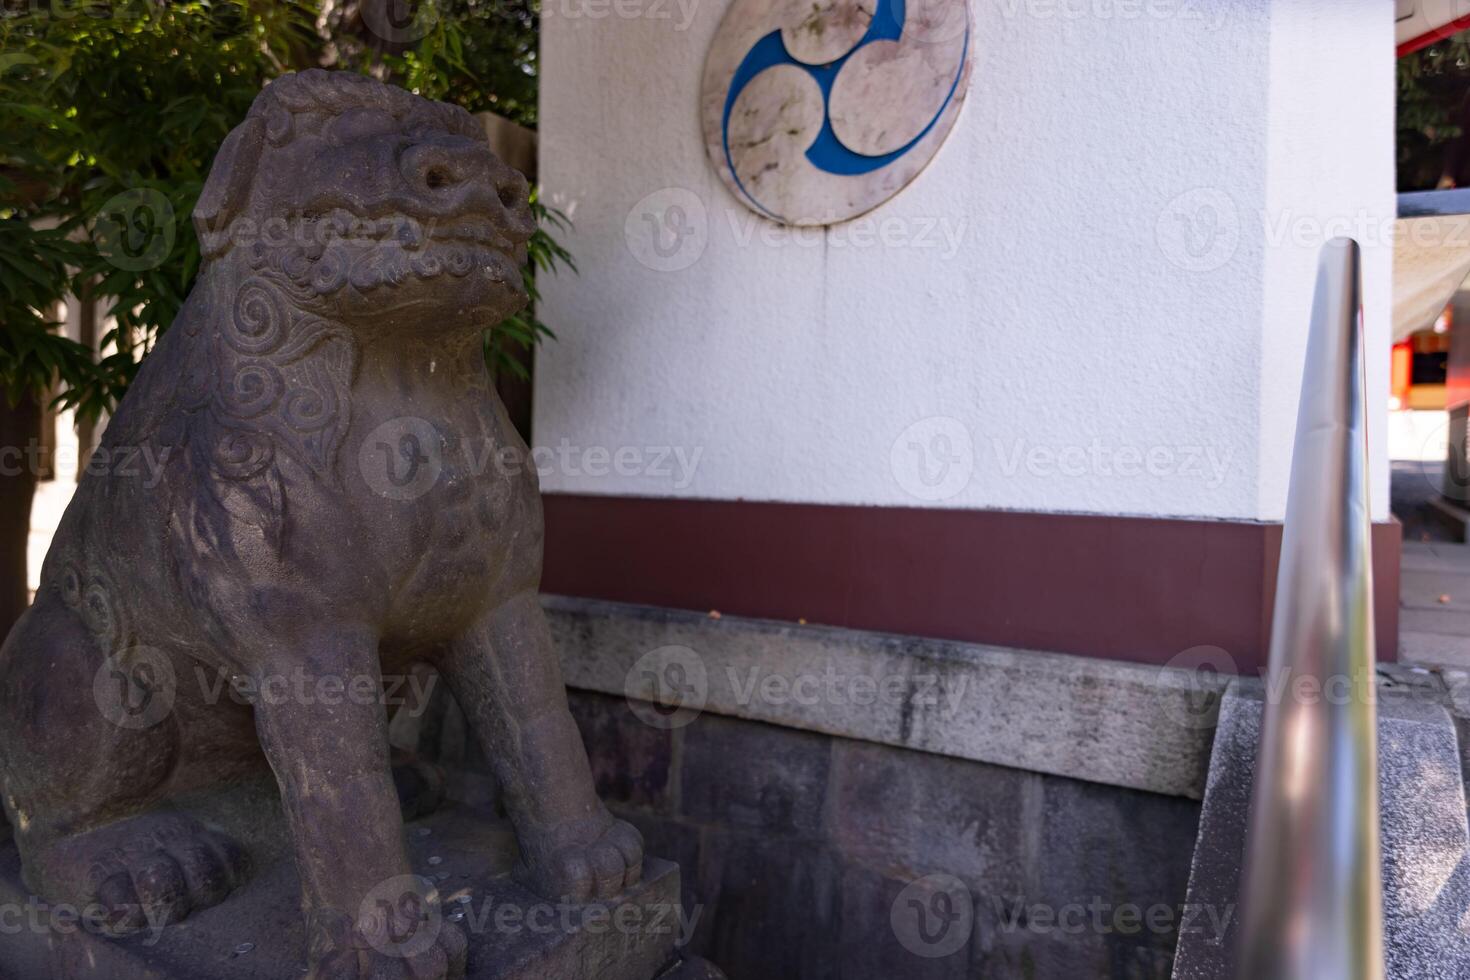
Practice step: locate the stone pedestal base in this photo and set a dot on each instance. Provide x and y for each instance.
(258, 934)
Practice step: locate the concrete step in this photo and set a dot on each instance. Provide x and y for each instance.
(1425, 840)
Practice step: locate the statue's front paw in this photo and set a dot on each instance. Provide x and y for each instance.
(396, 942)
(596, 858)
(147, 871)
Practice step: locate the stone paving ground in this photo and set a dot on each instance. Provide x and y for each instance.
(1434, 587)
(1434, 600)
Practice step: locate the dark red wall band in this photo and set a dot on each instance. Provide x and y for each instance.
(1122, 587)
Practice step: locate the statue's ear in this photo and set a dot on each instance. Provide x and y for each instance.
(228, 186)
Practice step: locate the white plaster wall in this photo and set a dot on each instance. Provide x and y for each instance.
(1035, 316)
(1331, 172)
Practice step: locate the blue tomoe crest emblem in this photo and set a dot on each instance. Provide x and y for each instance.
(815, 113)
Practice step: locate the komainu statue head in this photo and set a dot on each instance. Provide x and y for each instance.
(374, 204)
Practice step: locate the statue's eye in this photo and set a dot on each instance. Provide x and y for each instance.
(356, 124)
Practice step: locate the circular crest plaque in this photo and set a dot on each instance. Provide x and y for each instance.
(816, 111)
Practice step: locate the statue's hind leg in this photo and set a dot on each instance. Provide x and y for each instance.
(87, 744)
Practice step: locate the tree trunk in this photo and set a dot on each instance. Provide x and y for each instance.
(20, 430)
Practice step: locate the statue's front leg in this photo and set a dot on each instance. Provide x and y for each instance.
(328, 747)
(505, 673)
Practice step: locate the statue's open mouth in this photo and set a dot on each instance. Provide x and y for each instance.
(325, 251)
(410, 232)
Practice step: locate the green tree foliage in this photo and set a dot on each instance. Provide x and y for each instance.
(99, 100)
(1433, 85)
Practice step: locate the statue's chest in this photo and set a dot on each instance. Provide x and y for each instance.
(446, 495)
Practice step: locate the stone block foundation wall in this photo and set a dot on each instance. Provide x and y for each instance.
(795, 847)
(983, 812)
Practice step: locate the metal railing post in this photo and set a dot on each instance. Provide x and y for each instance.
(1312, 891)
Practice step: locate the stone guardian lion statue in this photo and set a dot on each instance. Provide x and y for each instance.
(357, 241)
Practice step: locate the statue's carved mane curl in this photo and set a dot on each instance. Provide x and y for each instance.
(268, 381)
(307, 97)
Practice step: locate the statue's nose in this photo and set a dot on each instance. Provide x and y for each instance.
(462, 173)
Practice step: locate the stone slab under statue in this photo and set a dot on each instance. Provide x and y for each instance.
(258, 933)
(337, 496)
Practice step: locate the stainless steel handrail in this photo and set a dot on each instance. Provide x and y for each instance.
(1312, 892)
